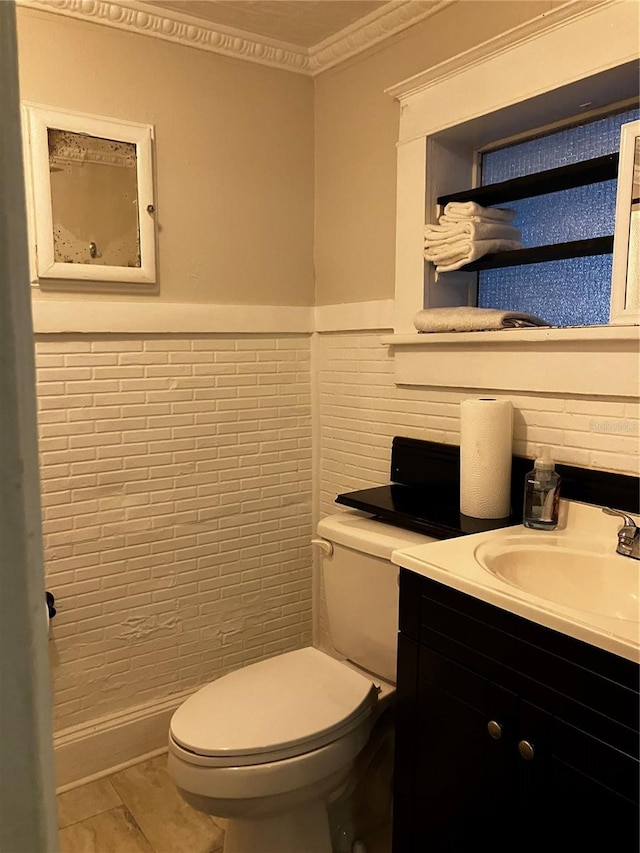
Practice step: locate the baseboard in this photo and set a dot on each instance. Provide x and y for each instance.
(95, 749)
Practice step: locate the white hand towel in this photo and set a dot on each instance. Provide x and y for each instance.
(467, 319)
(457, 210)
(455, 220)
(452, 256)
(451, 233)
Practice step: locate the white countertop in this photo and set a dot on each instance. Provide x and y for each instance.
(583, 528)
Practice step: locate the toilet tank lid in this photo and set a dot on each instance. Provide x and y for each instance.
(362, 533)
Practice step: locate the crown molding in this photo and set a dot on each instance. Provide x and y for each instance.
(557, 16)
(370, 30)
(143, 18)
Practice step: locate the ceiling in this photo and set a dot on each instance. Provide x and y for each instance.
(304, 23)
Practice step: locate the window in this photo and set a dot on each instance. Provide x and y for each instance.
(573, 291)
(540, 74)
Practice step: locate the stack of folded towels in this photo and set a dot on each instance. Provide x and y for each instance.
(466, 231)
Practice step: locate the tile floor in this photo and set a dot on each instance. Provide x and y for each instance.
(137, 810)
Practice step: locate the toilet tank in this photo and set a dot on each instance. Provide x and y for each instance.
(361, 588)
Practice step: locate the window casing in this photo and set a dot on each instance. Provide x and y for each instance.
(540, 74)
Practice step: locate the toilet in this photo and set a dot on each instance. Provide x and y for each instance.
(272, 745)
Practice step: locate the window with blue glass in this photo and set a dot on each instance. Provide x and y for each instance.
(574, 291)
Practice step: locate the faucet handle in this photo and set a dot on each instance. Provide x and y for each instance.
(628, 521)
(628, 535)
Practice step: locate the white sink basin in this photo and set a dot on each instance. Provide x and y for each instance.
(572, 574)
(569, 579)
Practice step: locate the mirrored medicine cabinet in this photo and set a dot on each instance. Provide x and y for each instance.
(90, 198)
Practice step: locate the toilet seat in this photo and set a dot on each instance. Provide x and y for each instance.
(274, 709)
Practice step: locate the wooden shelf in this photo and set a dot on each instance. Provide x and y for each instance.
(554, 180)
(541, 254)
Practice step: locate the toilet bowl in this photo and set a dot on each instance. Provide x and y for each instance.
(272, 745)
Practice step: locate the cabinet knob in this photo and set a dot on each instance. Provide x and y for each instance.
(494, 729)
(526, 750)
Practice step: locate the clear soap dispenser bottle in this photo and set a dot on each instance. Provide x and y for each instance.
(541, 494)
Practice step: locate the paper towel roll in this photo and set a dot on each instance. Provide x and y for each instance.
(486, 438)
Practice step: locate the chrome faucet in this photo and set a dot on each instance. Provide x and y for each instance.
(628, 535)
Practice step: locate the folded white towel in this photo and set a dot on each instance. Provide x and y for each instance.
(467, 319)
(451, 232)
(452, 256)
(457, 210)
(455, 220)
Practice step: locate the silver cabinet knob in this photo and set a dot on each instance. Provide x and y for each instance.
(526, 750)
(494, 729)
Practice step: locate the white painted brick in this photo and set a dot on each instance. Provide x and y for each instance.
(236, 381)
(190, 358)
(94, 440)
(49, 360)
(236, 357)
(65, 402)
(136, 421)
(140, 358)
(115, 345)
(89, 359)
(145, 384)
(213, 343)
(119, 424)
(251, 343)
(168, 344)
(214, 370)
(398, 412)
(60, 343)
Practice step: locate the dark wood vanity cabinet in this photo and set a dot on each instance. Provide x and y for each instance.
(509, 736)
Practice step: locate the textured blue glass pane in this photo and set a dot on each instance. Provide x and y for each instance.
(558, 149)
(573, 292)
(576, 214)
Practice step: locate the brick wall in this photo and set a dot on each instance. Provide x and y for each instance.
(176, 489)
(176, 492)
(361, 409)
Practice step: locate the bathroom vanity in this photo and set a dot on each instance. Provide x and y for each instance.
(517, 705)
(510, 736)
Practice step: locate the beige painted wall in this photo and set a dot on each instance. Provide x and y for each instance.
(356, 136)
(234, 145)
(235, 151)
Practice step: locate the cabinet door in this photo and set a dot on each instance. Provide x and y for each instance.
(464, 742)
(576, 792)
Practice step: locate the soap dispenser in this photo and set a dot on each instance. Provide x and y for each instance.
(541, 494)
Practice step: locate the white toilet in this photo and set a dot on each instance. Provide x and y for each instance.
(270, 745)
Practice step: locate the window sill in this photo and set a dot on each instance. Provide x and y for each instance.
(535, 335)
(540, 360)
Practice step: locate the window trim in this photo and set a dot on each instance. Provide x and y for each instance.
(488, 91)
(451, 111)
(620, 314)
(576, 361)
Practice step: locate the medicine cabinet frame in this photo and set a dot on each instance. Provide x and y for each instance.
(37, 121)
